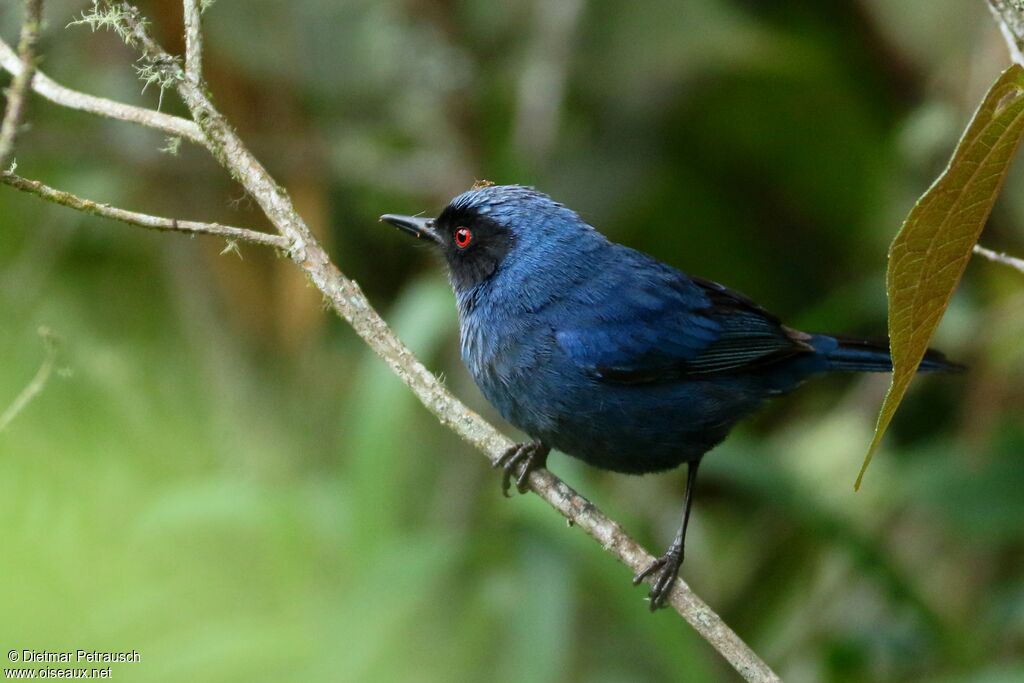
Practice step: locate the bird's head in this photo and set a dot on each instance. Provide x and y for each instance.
(494, 227)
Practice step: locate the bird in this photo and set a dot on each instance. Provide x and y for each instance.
(609, 355)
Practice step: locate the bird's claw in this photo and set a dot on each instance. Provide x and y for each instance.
(665, 569)
(533, 455)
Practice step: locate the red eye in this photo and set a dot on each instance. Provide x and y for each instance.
(463, 237)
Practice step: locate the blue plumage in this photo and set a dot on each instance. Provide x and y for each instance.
(607, 354)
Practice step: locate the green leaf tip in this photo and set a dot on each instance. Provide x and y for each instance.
(929, 254)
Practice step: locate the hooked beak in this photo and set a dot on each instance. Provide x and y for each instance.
(416, 226)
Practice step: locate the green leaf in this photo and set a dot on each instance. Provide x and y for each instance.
(928, 256)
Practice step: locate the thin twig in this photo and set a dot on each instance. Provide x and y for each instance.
(193, 40)
(1009, 15)
(37, 383)
(141, 220)
(1000, 257)
(20, 84)
(348, 301)
(72, 99)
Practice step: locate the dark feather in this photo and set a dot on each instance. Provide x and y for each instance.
(668, 327)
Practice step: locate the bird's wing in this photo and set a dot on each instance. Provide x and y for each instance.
(646, 322)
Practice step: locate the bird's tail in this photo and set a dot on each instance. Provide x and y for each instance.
(862, 355)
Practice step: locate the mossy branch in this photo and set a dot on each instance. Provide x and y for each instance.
(193, 13)
(141, 220)
(1009, 16)
(46, 87)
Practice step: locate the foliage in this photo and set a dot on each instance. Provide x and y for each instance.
(931, 251)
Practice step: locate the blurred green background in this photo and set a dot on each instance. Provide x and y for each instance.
(226, 480)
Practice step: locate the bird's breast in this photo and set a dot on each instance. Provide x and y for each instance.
(477, 352)
(509, 359)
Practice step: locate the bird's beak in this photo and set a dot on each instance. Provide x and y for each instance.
(416, 226)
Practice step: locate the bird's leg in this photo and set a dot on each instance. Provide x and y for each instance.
(665, 569)
(533, 455)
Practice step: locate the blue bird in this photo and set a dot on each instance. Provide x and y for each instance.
(607, 354)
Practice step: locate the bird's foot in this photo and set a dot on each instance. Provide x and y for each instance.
(665, 569)
(533, 455)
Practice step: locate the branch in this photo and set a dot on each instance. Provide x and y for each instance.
(36, 384)
(20, 84)
(1000, 257)
(1009, 14)
(141, 220)
(193, 40)
(348, 301)
(72, 99)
